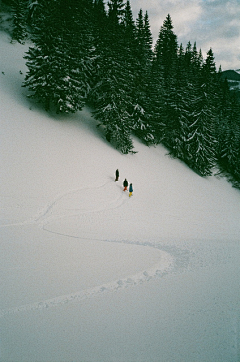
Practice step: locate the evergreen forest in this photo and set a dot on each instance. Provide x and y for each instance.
(87, 52)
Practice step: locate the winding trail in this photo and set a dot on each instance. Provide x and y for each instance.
(76, 204)
(159, 270)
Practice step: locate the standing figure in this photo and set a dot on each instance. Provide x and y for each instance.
(130, 190)
(125, 185)
(117, 175)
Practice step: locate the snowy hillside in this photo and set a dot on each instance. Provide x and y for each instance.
(89, 274)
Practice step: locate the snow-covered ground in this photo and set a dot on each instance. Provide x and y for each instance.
(91, 275)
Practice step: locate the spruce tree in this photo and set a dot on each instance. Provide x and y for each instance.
(112, 93)
(115, 12)
(197, 61)
(34, 10)
(165, 60)
(142, 127)
(180, 107)
(60, 61)
(19, 10)
(154, 105)
(229, 156)
(202, 143)
(165, 51)
(100, 45)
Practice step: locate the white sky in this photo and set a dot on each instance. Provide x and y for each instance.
(211, 23)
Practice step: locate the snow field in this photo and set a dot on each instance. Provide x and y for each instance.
(89, 274)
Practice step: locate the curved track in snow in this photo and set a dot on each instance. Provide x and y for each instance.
(73, 206)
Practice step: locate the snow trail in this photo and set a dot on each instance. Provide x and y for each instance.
(73, 204)
(164, 266)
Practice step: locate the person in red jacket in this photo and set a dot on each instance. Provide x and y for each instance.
(125, 185)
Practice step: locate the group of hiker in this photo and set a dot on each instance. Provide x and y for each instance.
(125, 184)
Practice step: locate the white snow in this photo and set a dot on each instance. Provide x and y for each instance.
(89, 274)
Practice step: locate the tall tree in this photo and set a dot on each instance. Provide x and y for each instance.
(229, 156)
(143, 52)
(113, 101)
(202, 143)
(115, 12)
(100, 36)
(60, 61)
(165, 61)
(165, 52)
(19, 10)
(179, 107)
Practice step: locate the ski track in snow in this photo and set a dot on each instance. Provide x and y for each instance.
(46, 216)
(157, 270)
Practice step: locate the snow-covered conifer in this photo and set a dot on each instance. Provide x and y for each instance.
(59, 63)
(165, 51)
(112, 93)
(143, 53)
(165, 63)
(19, 10)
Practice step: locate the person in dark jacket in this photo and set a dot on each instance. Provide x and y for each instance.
(125, 185)
(130, 190)
(117, 175)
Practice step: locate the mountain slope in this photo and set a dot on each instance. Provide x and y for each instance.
(231, 75)
(89, 274)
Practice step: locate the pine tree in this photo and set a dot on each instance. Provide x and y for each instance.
(115, 12)
(160, 82)
(129, 25)
(188, 56)
(100, 35)
(209, 66)
(60, 61)
(180, 106)
(154, 104)
(142, 127)
(201, 142)
(165, 61)
(229, 155)
(165, 51)
(19, 10)
(197, 61)
(128, 56)
(112, 93)
(224, 110)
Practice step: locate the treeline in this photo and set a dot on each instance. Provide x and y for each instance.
(86, 52)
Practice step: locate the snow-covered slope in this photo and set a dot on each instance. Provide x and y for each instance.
(89, 274)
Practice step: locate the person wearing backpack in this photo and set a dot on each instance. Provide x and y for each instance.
(130, 190)
(125, 185)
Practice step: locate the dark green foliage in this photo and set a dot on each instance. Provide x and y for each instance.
(179, 110)
(165, 52)
(19, 11)
(60, 61)
(165, 70)
(229, 135)
(201, 143)
(112, 105)
(115, 13)
(111, 95)
(143, 57)
(86, 52)
(100, 41)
